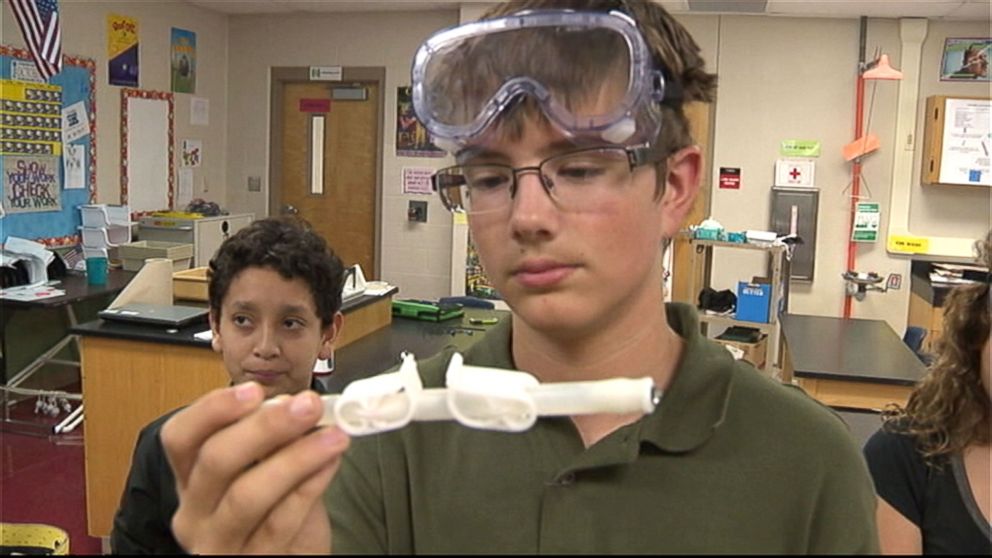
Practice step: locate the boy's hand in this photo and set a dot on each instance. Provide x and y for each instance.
(250, 479)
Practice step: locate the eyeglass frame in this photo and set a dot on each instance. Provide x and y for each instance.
(637, 156)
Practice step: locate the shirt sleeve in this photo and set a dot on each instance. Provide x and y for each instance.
(139, 525)
(898, 471)
(844, 510)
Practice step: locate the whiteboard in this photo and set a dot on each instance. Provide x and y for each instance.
(147, 159)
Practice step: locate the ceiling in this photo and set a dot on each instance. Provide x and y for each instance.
(934, 9)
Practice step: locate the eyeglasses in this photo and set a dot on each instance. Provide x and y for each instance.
(584, 178)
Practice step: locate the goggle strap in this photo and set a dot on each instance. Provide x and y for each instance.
(667, 91)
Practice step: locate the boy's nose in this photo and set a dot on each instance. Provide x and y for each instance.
(266, 344)
(532, 208)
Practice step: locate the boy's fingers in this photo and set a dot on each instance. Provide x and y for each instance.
(268, 503)
(186, 431)
(291, 524)
(239, 449)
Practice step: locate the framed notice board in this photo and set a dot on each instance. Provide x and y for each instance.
(36, 143)
(956, 142)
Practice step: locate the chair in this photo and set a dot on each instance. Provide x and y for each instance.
(913, 338)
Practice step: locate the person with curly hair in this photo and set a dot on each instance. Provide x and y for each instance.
(931, 460)
(275, 299)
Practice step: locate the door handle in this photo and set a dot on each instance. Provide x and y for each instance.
(289, 209)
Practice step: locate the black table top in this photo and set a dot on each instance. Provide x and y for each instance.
(364, 357)
(76, 288)
(849, 349)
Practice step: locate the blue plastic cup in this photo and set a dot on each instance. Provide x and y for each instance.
(96, 271)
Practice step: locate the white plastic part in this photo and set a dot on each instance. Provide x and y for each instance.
(380, 403)
(477, 397)
(490, 398)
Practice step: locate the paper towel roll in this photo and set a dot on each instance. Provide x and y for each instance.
(152, 285)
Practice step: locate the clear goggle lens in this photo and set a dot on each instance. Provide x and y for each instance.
(590, 72)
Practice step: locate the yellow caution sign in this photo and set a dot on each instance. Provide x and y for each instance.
(909, 244)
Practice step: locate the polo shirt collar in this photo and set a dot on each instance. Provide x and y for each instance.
(693, 406)
(695, 403)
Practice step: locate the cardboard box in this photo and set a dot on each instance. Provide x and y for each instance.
(755, 353)
(753, 301)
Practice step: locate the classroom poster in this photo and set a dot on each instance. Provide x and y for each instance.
(74, 166)
(417, 180)
(31, 184)
(183, 61)
(966, 59)
(122, 50)
(412, 139)
(192, 152)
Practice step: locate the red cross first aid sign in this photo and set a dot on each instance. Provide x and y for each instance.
(794, 172)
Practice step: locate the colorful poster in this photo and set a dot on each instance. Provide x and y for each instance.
(966, 59)
(192, 152)
(122, 50)
(30, 121)
(412, 139)
(31, 184)
(183, 61)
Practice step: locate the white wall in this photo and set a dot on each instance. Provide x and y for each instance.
(785, 78)
(84, 34)
(414, 256)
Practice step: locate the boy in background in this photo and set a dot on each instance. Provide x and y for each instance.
(275, 299)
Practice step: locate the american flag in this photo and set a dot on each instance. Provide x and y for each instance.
(39, 22)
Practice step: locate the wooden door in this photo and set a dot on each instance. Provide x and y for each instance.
(340, 203)
(699, 115)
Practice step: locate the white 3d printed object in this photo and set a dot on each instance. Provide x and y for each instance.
(477, 397)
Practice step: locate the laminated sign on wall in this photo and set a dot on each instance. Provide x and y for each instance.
(794, 172)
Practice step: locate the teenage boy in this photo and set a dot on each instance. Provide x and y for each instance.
(575, 166)
(275, 296)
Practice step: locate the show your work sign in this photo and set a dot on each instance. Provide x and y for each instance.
(31, 183)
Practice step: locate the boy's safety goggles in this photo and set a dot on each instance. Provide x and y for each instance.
(591, 73)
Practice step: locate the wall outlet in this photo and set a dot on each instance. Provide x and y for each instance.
(417, 211)
(254, 183)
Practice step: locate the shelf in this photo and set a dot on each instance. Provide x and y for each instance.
(767, 247)
(727, 321)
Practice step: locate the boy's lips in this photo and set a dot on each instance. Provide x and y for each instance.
(543, 273)
(264, 376)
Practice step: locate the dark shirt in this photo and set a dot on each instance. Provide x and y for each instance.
(143, 521)
(730, 462)
(938, 500)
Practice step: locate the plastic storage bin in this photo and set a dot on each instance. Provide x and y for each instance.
(134, 254)
(103, 215)
(109, 237)
(190, 284)
(33, 538)
(753, 301)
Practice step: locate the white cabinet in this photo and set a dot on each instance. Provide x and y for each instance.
(205, 233)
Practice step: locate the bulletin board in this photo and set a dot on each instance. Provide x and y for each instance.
(76, 83)
(956, 142)
(147, 150)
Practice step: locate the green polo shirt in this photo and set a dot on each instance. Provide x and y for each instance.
(729, 462)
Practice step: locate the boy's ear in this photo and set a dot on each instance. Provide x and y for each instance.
(329, 335)
(215, 341)
(681, 188)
